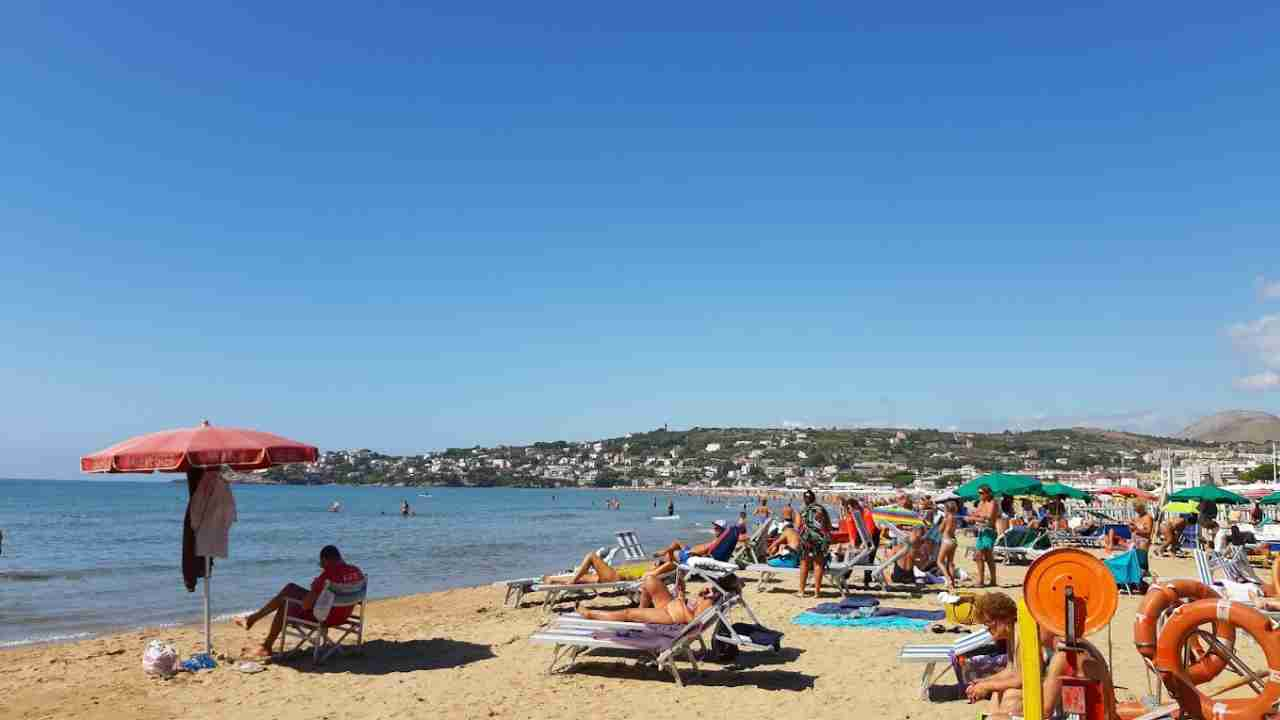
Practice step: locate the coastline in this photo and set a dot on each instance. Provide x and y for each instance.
(461, 653)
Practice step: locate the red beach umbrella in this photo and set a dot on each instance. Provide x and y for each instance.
(204, 446)
(191, 450)
(1126, 492)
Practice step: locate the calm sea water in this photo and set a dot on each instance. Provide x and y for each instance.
(84, 557)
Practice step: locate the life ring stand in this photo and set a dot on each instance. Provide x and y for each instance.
(1183, 623)
(1049, 576)
(1164, 597)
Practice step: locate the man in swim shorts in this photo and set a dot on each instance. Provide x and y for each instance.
(784, 552)
(985, 516)
(334, 569)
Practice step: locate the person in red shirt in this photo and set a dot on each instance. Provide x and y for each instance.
(334, 569)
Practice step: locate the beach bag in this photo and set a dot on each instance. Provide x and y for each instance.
(960, 612)
(324, 603)
(159, 659)
(720, 650)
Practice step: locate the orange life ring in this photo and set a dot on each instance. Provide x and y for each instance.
(1160, 598)
(1178, 628)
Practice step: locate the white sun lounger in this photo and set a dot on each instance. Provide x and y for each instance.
(576, 637)
(630, 549)
(932, 655)
(845, 575)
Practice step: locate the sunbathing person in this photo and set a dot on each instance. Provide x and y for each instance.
(784, 552)
(335, 570)
(592, 569)
(659, 607)
(721, 548)
(902, 571)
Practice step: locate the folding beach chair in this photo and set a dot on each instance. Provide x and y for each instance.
(753, 551)
(1125, 569)
(1020, 544)
(315, 634)
(855, 563)
(575, 637)
(933, 655)
(629, 547)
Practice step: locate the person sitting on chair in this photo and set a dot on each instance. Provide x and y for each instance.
(335, 570)
(902, 571)
(721, 548)
(784, 552)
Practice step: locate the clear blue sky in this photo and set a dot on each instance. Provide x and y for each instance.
(413, 228)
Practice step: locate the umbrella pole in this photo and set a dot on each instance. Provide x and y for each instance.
(208, 639)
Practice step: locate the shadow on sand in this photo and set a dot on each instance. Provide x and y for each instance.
(739, 673)
(383, 657)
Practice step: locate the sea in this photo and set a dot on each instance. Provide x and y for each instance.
(81, 558)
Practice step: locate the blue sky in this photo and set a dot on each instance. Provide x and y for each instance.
(412, 228)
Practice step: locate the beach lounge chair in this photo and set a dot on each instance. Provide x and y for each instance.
(841, 573)
(663, 645)
(753, 552)
(629, 549)
(315, 635)
(1020, 544)
(1126, 571)
(933, 655)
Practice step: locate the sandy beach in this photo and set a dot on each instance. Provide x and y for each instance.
(459, 653)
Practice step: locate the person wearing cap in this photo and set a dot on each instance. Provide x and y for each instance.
(333, 570)
(721, 548)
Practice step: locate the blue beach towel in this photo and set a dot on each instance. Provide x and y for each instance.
(874, 623)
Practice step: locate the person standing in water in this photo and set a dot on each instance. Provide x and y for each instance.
(671, 507)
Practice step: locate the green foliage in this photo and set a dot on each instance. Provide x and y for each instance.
(1262, 473)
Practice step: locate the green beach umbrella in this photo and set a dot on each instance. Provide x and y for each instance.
(1272, 499)
(1186, 507)
(1058, 490)
(1210, 493)
(1000, 484)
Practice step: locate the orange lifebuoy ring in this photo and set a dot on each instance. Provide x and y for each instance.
(1178, 628)
(1160, 598)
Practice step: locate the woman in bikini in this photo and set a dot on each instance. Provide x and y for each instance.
(947, 551)
(659, 607)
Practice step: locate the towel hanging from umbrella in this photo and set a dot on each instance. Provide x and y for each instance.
(200, 452)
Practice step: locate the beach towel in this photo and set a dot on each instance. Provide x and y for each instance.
(874, 623)
(930, 615)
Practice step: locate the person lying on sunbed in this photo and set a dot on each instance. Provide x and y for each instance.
(335, 570)
(592, 569)
(784, 551)
(659, 607)
(721, 548)
(902, 571)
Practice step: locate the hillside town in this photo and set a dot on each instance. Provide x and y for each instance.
(801, 457)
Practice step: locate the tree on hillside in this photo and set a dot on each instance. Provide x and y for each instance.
(1262, 473)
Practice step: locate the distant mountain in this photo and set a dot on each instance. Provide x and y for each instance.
(1235, 426)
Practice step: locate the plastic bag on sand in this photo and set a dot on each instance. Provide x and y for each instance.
(159, 659)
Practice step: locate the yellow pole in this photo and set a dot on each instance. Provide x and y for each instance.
(1029, 660)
